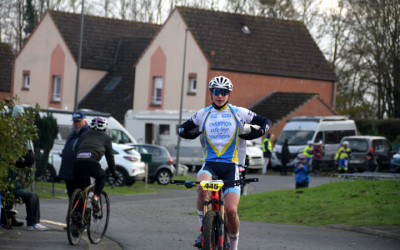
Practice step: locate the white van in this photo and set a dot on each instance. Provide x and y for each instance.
(300, 130)
(64, 120)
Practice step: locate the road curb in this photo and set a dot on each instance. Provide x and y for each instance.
(368, 230)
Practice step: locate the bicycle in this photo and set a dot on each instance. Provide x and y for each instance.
(214, 231)
(84, 215)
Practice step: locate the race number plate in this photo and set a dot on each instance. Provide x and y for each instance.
(212, 185)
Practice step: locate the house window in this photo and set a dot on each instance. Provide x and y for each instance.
(26, 80)
(56, 89)
(112, 84)
(192, 84)
(164, 129)
(157, 93)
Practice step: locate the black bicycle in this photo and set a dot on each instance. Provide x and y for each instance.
(215, 235)
(85, 214)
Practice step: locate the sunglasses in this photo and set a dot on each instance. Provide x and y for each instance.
(223, 92)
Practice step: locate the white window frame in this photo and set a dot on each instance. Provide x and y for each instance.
(192, 84)
(56, 88)
(158, 83)
(26, 80)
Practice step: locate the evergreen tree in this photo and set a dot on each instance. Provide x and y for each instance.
(30, 17)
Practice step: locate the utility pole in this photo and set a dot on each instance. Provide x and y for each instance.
(181, 103)
(79, 59)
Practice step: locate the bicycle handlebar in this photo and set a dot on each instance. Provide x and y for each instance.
(190, 184)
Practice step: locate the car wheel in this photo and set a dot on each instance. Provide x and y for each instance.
(121, 181)
(130, 182)
(163, 177)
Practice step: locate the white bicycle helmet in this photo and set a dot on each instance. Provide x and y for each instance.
(346, 143)
(220, 82)
(99, 123)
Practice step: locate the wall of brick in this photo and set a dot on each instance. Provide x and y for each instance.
(313, 108)
(249, 88)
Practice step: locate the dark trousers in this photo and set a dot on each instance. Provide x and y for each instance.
(301, 185)
(283, 168)
(70, 185)
(84, 169)
(32, 205)
(315, 166)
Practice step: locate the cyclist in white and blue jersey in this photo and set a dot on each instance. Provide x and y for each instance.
(221, 126)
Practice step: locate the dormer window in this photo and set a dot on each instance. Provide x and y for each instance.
(246, 29)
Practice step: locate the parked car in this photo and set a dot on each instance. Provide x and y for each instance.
(379, 146)
(255, 156)
(129, 166)
(160, 169)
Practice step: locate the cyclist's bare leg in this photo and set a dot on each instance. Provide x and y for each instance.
(201, 194)
(231, 204)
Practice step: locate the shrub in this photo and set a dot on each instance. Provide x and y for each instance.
(15, 132)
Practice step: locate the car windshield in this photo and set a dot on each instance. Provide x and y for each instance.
(296, 137)
(358, 145)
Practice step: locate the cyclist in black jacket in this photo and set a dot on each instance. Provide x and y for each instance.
(94, 144)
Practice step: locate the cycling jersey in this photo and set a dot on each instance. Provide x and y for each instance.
(221, 129)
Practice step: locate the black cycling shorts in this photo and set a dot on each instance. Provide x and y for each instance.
(224, 171)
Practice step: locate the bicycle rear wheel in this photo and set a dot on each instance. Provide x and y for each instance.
(211, 231)
(75, 224)
(98, 221)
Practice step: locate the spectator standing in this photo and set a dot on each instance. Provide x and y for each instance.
(79, 126)
(308, 152)
(302, 173)
(318, 154)
(342, 156)
(285, 156)
(267, 152)
(370, 164)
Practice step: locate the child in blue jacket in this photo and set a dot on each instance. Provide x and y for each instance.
(302, 173)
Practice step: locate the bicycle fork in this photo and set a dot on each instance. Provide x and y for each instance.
(217, 205)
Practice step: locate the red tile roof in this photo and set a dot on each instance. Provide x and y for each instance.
(273, 46)
(277, 105)
(108, 44)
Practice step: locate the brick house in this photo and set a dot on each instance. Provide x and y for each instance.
(45, 69)
(260, 55)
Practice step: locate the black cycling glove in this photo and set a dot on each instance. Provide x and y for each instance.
(255, 133)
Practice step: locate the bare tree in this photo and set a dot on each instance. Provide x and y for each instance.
(377, 27)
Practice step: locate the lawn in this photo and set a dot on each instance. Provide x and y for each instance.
(354, 203)
(45, 189)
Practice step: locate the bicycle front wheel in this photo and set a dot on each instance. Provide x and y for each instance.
(98, 221)
(75, 225)
(212, 231)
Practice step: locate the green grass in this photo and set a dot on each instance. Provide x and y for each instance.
(354, 203)
(44, 189)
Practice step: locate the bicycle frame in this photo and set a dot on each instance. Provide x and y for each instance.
(86, 193)
(217, 202)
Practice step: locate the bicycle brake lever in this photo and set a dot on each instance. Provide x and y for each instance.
(188, 184)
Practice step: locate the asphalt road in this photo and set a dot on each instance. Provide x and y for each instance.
(165, 221)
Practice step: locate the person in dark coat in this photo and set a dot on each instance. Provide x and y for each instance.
(370, 164)
(318, 155)
(69, 152)
(285, 156)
